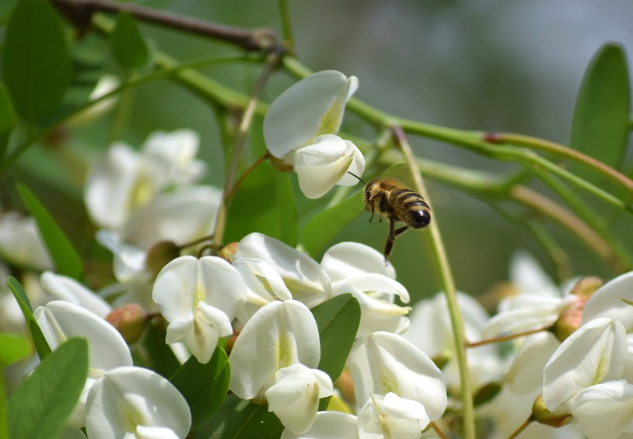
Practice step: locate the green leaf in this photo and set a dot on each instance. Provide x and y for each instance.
(7, 120)
(35, 65)
(127, 43)
(39, 408)
(600, 125)
(338, 319)
(163, 360)
(13, 348)
(65, 258)
(325, 225)
(240, 419)
(204, 386)
(264, 203)
(25, 305)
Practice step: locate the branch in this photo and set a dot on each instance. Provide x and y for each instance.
(80, 13)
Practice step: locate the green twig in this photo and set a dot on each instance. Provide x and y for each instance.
(242, 131)
(286, 24)
(446, 279)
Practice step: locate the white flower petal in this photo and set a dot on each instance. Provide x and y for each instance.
(324, 164)
(201, 296)
(68, 289)
(303, 276)
(21, 243)
(385, 362)
(278, 335)
(128, 397)
(527, 274)
(357, 167)
(375, 284)
(294, 397)
(155, 433)
(391, 417)
(605, 302)
(309, 108)
(350, 259)
(181, 215)
(526, 371)
(117, 185)
(604, 410)
(328, 425)
(60, 320)
(596, 352)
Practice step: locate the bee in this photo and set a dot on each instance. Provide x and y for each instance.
(392, 199)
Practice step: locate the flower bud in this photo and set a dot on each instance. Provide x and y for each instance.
(586, 286)
(569, 321)
(543, 416)
(228, 252)
(160, 254)
(486, 393)
(130, 320)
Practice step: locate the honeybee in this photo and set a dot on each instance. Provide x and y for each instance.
(392, 199)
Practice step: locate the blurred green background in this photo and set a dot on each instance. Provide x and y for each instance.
(485, 65)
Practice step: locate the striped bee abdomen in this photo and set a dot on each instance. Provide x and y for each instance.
(410, 208)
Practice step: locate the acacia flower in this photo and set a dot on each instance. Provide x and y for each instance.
(132, 402)
(274, 359)
(300, 128)
(301, 275)
(328, 425)
(199, 298)
(60, 320)
(391, 417)
(595, 353)
(385, 363)
(126, 180)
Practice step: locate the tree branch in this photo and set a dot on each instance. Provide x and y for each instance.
(80, 13)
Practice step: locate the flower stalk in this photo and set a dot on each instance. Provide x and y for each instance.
(448, 284)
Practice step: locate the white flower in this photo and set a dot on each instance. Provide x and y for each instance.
(60, 320)
(181, 215)
(604, 410)
(302, 275)
(361, 270)
(299, 129)
(294, 398)
(263, 285)
(310, 108)
(526, 371)
(131, 402)
(328, 425)
(391, 417)
(278, 335)
(21, 243)
(68, 289)
(529, 277)
(596, 352)
(325, 163)
(199, 298)
(385, 362)
(126, 180)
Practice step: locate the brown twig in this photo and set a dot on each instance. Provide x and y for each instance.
(80, 13)
(507, 337)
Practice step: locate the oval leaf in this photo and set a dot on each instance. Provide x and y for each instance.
(36, 66)
(204, 386)
(325, 225)
(65, 258)
(13, 348)
(25, 305)
(600, 126)
(265, 204)
(127, 43)
(241, 419)
(338, 319)
(39, 408)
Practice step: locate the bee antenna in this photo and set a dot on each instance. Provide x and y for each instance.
(351, 173)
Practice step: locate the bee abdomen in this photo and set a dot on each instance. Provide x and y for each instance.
(413, 209)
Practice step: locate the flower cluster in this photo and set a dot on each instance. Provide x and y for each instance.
(558, 357)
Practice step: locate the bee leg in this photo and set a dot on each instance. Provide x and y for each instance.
(400, 230)
(372, 215)
(390, 239)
